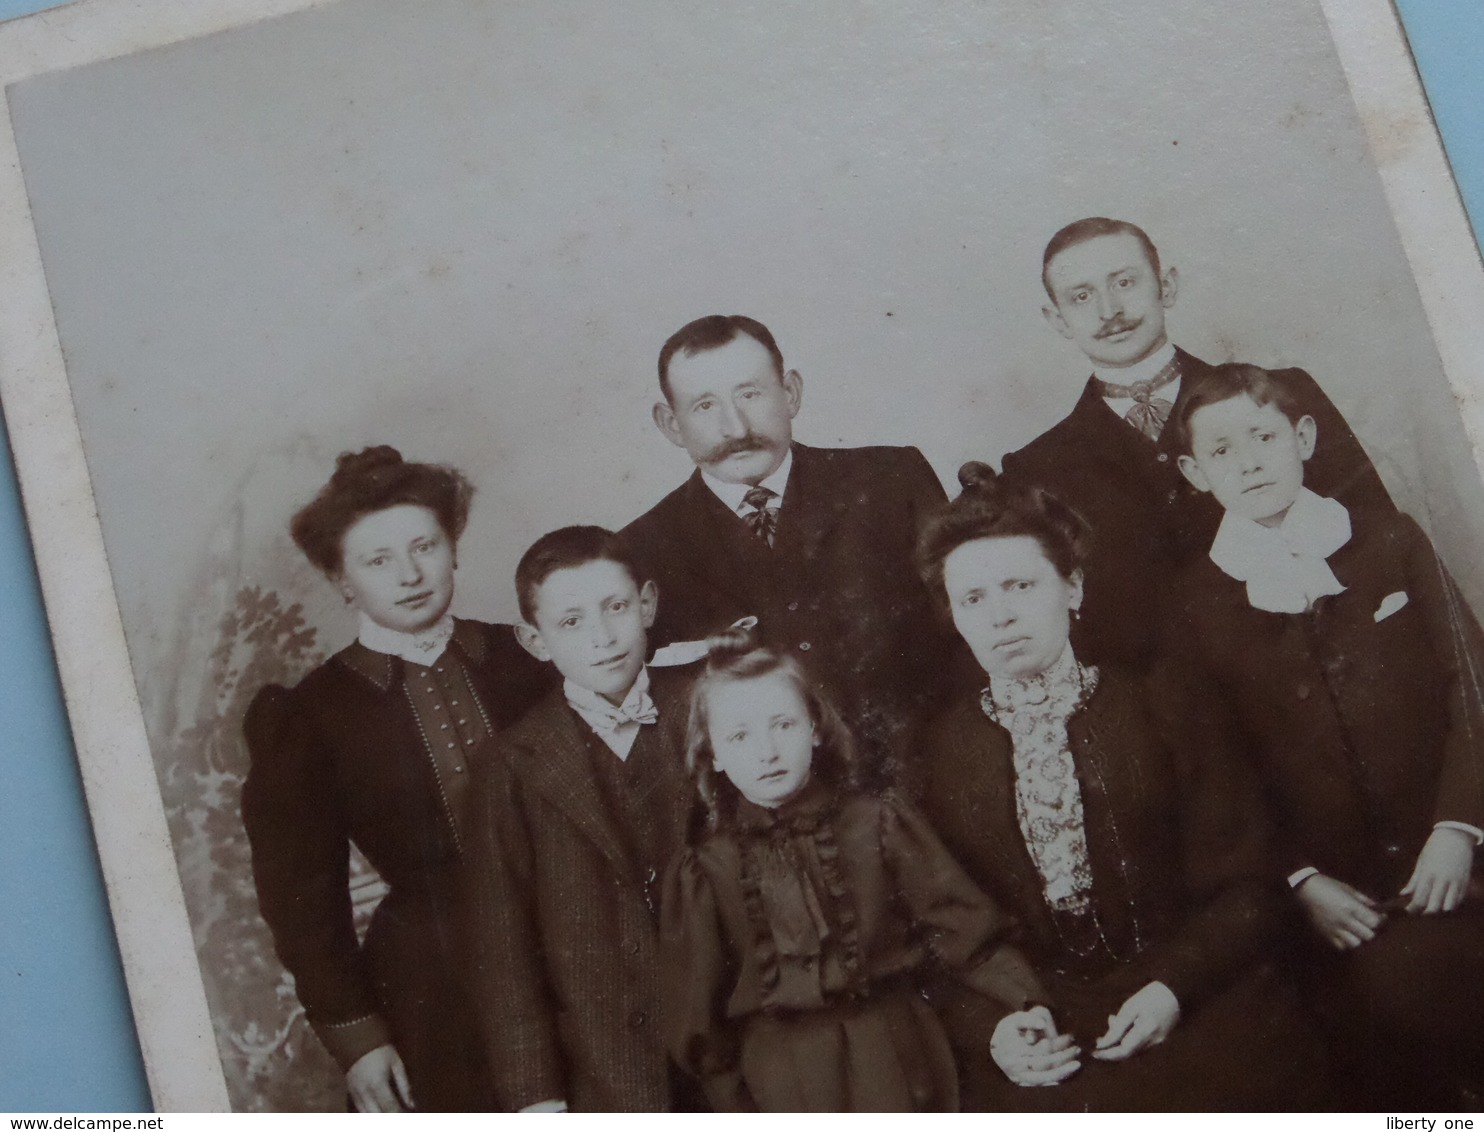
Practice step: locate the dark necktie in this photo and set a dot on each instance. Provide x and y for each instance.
(1149, 413)
(762, 519)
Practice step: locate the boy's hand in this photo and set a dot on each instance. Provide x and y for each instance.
(1344, 916)
(1029, 1051)
(1442, 873)
(378, 1082)
(1145, 1019)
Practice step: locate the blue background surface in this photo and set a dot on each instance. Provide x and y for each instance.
(66, 1034)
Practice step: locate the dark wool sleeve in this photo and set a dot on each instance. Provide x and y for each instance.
(1233, 887)
(503, 948)
(698, 976)
(301, 867)
(1459, 645)
(966, 931)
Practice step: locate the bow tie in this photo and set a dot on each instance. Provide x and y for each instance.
(1149, 413)
(638, 709)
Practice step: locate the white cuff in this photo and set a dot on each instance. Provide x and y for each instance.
(546, 1106)
(1463, 827)
(1298, 878)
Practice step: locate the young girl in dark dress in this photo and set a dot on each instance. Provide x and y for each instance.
(374, 747)
(793, 930)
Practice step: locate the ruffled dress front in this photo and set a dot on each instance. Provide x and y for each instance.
(791, 949)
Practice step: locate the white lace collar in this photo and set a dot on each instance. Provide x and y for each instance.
(1061, 684)
(417, 648)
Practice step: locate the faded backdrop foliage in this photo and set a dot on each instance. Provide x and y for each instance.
(271, 1058)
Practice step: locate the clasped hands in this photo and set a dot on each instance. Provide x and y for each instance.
(1345, 917)
(1029, 1051)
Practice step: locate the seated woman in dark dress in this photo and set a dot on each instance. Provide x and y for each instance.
(373, 747)
(1100, 809)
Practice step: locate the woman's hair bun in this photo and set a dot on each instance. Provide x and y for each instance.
(368, 461)
(370, 480)
(976, 475)
(732, 643)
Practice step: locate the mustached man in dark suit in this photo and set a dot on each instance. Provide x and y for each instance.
(1111, 457)
(816, 543)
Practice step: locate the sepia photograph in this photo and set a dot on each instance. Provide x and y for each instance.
(845, 557)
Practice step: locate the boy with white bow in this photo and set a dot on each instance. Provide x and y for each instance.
(1354, 667)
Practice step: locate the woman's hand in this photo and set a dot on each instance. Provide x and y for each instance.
(1345, 917)
(1442, 872)
(1145, 1019)
(1029, 1051)
(378, 1082)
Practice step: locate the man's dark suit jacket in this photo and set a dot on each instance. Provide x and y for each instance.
(559, 921)
(839, 589)
(1146, 520)
(1366, 732)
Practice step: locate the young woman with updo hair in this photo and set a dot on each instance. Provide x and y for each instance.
(374, 747)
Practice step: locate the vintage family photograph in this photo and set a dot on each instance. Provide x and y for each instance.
(839, 557)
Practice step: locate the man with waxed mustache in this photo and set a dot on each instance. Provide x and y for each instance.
(817, 544)
(1112, 459)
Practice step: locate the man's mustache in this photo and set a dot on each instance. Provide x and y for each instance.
(729, 448)
(1117, 326)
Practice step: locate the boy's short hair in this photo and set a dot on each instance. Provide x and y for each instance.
(711, 332)
(564, 549)
(1222, 383)
(1090, 228)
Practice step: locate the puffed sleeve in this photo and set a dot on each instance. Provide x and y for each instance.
(502, 944)
(697, 976)
(966, 931)
(301, 868)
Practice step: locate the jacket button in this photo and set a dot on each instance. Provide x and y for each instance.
(1164, 457)
(638, 1019)
(631, 946)
(1393, 850)
(793, 606)
(1303, 691)
(805, 646)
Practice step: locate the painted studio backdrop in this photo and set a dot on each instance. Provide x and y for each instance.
(465, 229)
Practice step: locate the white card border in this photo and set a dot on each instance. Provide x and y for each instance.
(163, 973)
